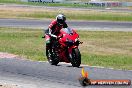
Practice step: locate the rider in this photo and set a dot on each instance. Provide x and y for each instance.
(54, 29)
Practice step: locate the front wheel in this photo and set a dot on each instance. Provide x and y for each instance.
(76, 57)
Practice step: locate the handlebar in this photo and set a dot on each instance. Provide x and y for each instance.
(43, 36)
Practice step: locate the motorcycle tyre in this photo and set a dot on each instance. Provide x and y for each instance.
(50, 58)
(76, 57)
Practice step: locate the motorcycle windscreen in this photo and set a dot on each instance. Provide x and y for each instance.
(68, 30)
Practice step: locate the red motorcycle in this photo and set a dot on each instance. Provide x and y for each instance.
(65, 48)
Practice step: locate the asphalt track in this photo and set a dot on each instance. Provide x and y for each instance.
(82, 25)
(33, 74)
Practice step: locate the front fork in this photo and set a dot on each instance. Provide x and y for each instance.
(70, 50)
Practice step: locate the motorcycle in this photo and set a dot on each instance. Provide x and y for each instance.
(65, 48)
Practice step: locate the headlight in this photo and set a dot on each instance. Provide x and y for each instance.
(69, 42)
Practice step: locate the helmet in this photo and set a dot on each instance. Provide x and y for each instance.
(60, 18)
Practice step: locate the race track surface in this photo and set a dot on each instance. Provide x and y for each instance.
(81, 25)
(33, 74)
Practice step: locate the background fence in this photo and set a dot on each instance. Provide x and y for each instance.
(92, 3)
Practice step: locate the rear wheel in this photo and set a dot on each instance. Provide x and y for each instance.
(76, 57)
(52, 59)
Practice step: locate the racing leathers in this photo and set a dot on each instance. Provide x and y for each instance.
(53, 31)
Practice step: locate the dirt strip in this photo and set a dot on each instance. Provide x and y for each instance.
(7, 55)
(8, 86)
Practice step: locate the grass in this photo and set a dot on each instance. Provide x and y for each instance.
(119, 0)
(102, 0)
(24, 42)
(108, 49)
(9, 1)
(40, 13)
(44, 13)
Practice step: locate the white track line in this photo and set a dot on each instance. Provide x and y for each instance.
(82, 65)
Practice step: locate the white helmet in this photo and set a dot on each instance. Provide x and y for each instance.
(60, 18)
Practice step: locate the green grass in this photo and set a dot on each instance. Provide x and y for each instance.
(9, 1)
(71, 15)
(120, 0)
(24, 42)
(113, 61)
(43, 13)
(108, 49)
